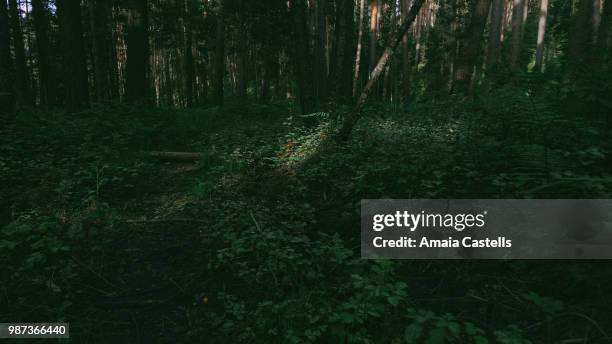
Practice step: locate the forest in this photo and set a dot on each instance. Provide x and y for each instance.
(180, 171)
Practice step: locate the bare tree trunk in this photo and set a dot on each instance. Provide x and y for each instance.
(374, 25)
(342, 71)
(406, 55)
(241, 90)
(41, 26)
(75, 73)
(541, 34)
(137, 41)
(359, 45)
(21, 70)
(517, 32)
(6, 62)
(466, 59)
(187, 62)
(219, 59)
(353, 117)
(101, 49)
(320, 50)
(580, 37)
(494, 44)
(302, 59)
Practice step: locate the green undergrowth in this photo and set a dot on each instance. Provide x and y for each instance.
(259, 239)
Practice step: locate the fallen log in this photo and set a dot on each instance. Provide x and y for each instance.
(180, 156)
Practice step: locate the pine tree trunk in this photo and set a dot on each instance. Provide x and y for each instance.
(359, 45)
(494, 44)
(242, 52)
(406, 55)
(580, 37)
(187, 62)
(21, 70)
(374, 25)
(517, 32)
(41, 27)
(219, 58)
(468, 55)
(101, 49)
(541, 35)
(137, 41)
(353, 117)
(342, 72)
(6, 63)
(302, 59)
(75, 70)
(321, 51)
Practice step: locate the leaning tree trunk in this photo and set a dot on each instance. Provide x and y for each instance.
(354, 116)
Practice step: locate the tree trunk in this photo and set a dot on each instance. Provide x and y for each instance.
(137, 42)
(359, 45)
(604, 34)
(21, 70)
(353, 117)
(517, 32)
(100, 12)
(406, 55)
(374, 25)
(219, 58)
(75, 69)
(466, 59)
(187, 62)
(342, 72)
(241, 90)
(580, 37)
(541, 34)
(302, 59)
(494, 44)
(320, 51)
(41, 27)
(6, 62)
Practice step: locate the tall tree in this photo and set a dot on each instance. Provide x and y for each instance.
(352, 118)
(320, 67)
(374, 26)
(219, 58)
(580, 37)
(6, 62)
(302, 59)
(518, 7)
(472, 42)
(359, 45)
(101, 40)
(22, 76)
(242, 70)
(494, 42)
(541, 34)
(187, 62)
(406, 54)
(75, 69)
(46, 81)
(137, 42)
(342, 71)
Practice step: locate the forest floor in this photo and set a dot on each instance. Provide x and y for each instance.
(259, 238)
